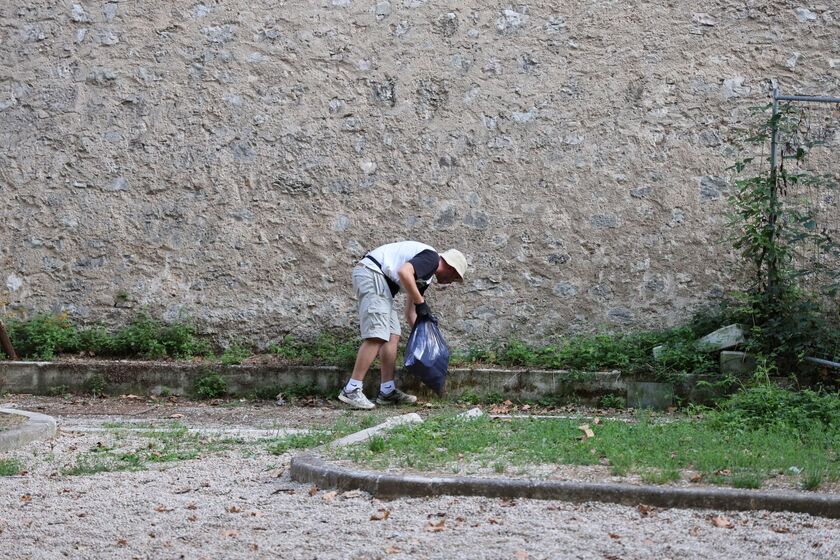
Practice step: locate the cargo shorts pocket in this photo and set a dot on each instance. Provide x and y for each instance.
(375, 317)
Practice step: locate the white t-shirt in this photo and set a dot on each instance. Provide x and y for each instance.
(392, 256)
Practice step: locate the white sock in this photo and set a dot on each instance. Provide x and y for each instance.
(387, 387)
(352, 385)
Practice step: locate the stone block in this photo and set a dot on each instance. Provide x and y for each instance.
(738, 364)
(365, 435)
(655, 396)
(723, 338)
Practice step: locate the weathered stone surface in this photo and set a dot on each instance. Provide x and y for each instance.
(723, 338)
(237, 158)
(381, 429)
(738, 364)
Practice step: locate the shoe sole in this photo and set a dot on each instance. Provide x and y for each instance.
(395, 403)
(354, 404)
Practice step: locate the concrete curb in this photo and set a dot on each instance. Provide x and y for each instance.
(310, 469)
(38, 426)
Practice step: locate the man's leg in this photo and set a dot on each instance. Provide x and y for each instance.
(388, 358)
(367, 353)
(388, 392)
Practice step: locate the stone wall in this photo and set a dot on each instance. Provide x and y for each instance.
(230, 161)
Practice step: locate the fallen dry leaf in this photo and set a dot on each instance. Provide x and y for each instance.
(392, 550)
(696, 478)
(521, 555)
(329, 496)
(131, 397)
(192, 518)
(162, 509)
(780, 529)
(508, 502)
(587, 432)
(694, 531)
(313, 490)
(436, 527)
(26, 498)
(380, 515)
(646, 510)
(234, 509)
(492, 521)
(176, 415)
(722, 522)
(596, 421)
(351, 494)
(122, 542)
(231, 533)
(614, 536)
(254, 547)
(723, 472)
(191, 505)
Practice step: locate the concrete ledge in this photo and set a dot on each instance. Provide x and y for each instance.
(144, 377)
(312, 470)
(37, 426)
(140, 377)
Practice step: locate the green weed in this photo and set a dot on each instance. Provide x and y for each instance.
(211, 385)
(234, 354)
(10, 467)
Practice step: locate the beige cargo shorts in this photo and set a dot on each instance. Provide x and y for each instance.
(377, 316)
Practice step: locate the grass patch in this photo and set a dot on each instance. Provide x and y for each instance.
(658, 452)
(10, 467)
(163, 445)
(345, 425)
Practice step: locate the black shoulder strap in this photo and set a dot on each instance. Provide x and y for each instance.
(393, 286)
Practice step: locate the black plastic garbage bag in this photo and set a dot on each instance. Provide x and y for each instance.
(427, 355)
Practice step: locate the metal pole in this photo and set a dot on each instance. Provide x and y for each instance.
(772, 218)
(806, 98)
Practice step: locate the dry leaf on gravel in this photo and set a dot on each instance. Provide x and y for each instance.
(646, 510)
(131, 397)
(162, 509)
(329, 496)
(192, 518)
(233, 533)
(392, 550)
(380, 515)
(597, 420)
(508, 502)
(696, 478)
(492, 521)
(722, 522)
(521, 555)
(436, 527)
(234, 509)
(351, 494)
(176, 415)
(313, 490)
(191, 505)
(26, 498)
(122, 542)
(780, 529)
(614, 536)
(253, 547)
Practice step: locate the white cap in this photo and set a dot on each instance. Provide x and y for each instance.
(456, 260)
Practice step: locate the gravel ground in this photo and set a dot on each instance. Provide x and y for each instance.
(239, 503)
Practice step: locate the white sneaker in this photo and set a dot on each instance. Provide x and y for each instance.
(356, 399)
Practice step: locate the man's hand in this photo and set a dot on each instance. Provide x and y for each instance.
(423, 311)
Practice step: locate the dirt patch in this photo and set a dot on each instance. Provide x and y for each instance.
(9, 421)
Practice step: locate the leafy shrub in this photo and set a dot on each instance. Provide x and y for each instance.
(325, 349)
(234, 354)
(211, 386)
(768, 406)
(43, 336)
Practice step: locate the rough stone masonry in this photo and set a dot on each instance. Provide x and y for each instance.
(229, 161)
